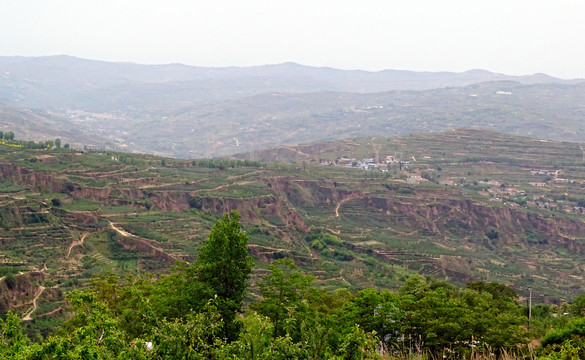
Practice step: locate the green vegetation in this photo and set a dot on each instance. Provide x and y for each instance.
(9, 187)
(77, 215)
(190, 314)
(222, 269)
(7, 140)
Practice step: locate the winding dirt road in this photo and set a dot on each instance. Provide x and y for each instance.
(120, 231)
(39, 292)
(351, 197)
(127, 234)
(77, 242)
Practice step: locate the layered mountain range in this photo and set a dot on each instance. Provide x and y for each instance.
(184, 111)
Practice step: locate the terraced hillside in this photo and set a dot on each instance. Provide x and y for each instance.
(461, 205)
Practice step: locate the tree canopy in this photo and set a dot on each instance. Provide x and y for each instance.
(198, 312)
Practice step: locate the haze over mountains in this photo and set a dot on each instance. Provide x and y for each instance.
(462, 205)
(185, 111)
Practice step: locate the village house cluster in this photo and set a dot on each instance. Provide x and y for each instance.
(369, 163)
(511, 194)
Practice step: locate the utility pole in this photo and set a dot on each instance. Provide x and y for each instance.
(377, 148)
(397, 158)
(529, 307)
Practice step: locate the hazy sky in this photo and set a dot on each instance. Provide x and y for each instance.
(511, 36)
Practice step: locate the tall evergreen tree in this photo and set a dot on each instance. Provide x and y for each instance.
(223, 267)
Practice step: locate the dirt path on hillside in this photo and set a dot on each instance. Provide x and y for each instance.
(75, 243)
(342, 202)
(232, 177)
(296, 151)
(226, 185)
(27, 316)
(120, 231)
(151, 186)
(52, 312)
(32, 227)
(143, 241)
(99, 175)
(114, 215)
(266, 248)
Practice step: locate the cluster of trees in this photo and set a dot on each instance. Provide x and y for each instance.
(225, 163)
(9, 135)
(196, 312)
(7, 138)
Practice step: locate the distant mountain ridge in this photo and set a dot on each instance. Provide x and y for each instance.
(61, 81)
(185, 111)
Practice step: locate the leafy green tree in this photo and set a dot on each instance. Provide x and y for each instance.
(12, 340)
(194, 202)
(577, 308)
(492, 234)
(93, 333)
(198, 336)
(223, 268)
(358, 345)
(175, 295)
(378, 312)
(433, 321)
(554, 308)
(220, 273)
(447, 320)
(415, 285)
(135, 303)
(284, 348)
(494, 323)
(317, 336)
(255, 339)
(569, 350)
(319, 322)
(58, 143)
(499, 292)
(572, 330)
(283, 290)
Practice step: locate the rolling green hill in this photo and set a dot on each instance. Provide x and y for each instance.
(460, 205)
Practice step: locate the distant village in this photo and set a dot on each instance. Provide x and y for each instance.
(88, 148)
(495, 190)
(368, 163)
